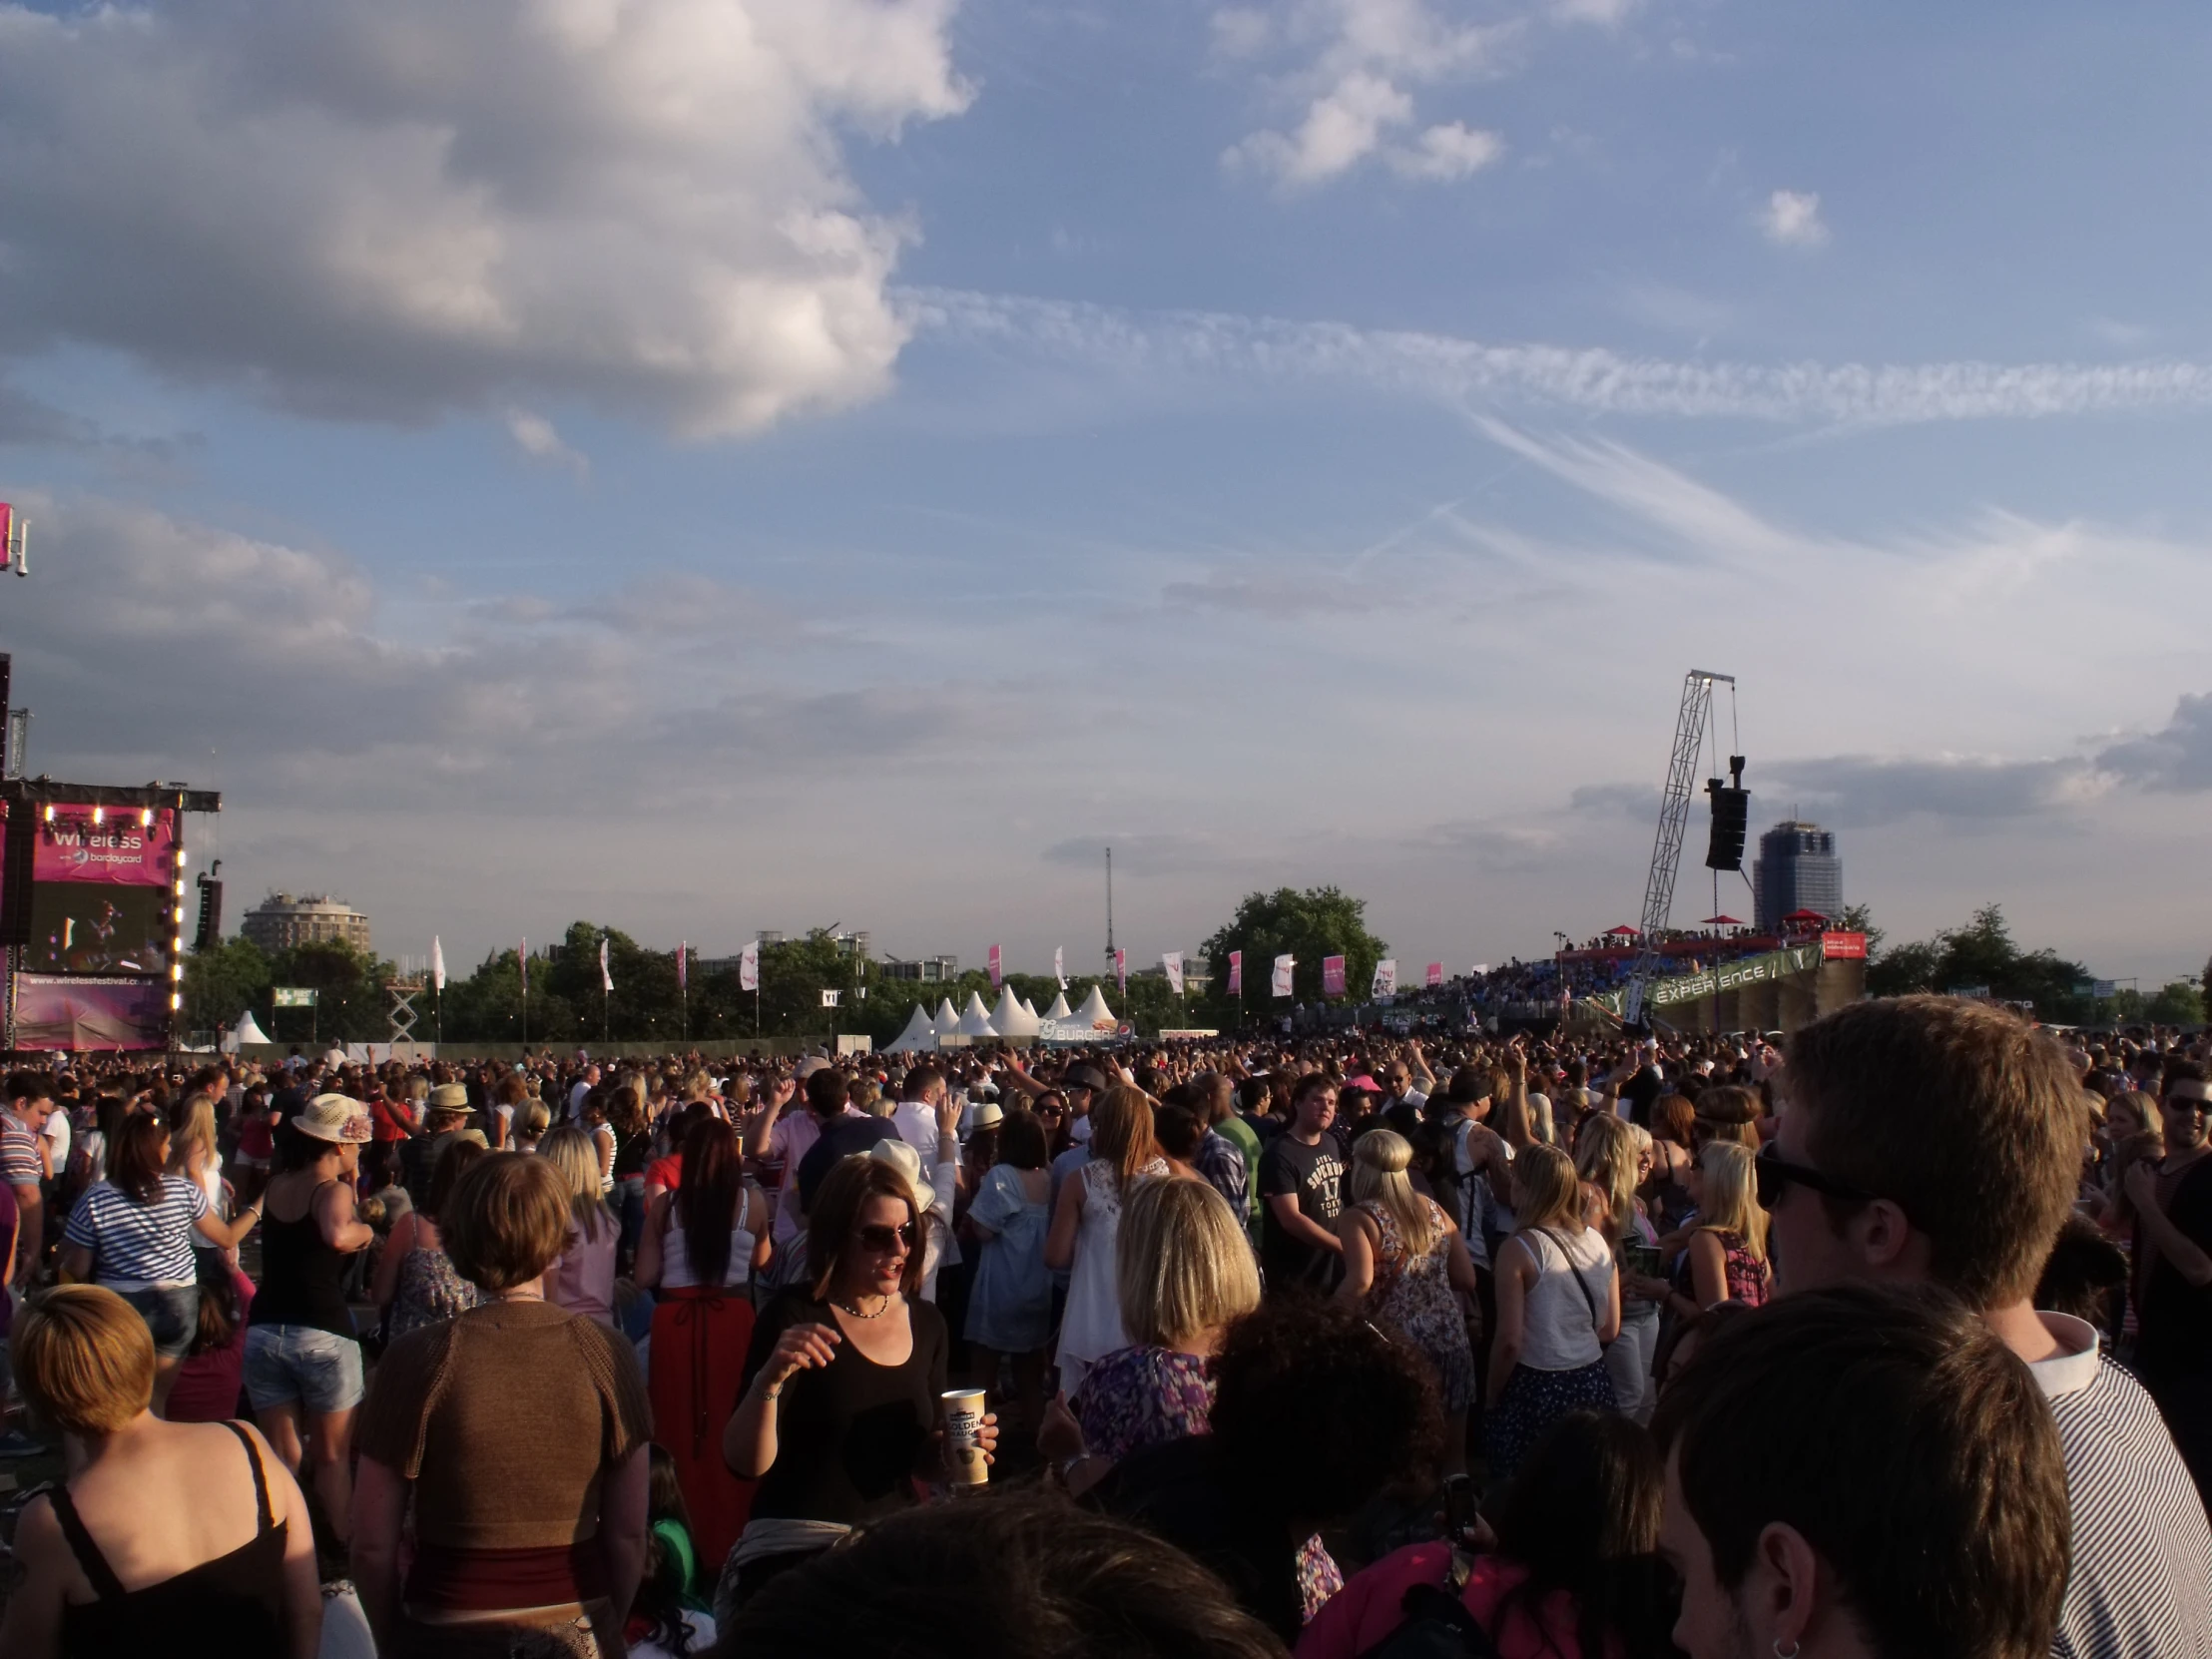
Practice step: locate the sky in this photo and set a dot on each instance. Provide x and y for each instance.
(714, 465)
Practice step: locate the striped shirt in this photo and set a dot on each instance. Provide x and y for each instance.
(134, 1242)
(19, 1160)
(2142, 1583)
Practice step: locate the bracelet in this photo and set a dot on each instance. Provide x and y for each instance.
(771, 1392)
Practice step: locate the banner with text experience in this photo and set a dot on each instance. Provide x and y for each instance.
(1752, 970)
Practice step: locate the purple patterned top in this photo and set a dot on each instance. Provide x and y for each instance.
(1140, 1396)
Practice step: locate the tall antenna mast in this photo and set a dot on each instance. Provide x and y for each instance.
(1109, 909)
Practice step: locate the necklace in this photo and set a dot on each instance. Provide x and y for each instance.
(847, 1307)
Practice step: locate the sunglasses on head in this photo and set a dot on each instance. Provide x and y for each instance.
(881, 1239)
(1777, 1175)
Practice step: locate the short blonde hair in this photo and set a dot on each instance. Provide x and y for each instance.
(1183, 1267)
(84, 1360)
(506, 1221)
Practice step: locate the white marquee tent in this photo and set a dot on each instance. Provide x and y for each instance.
(1010, 1019)
(920, 1034)
(245, 1031)
(1094, 1015)
(976, 1019)
(947, 1021)
(1059, 1008)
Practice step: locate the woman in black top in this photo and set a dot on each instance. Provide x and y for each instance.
(841, 1407)
(169, 1538)
(302, 1363)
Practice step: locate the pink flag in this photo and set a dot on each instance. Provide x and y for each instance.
(1121, 970)
(683, 977)
(522, 959)
(1436, 973)
(1332, 977)
(997, 978)
(1236, 973)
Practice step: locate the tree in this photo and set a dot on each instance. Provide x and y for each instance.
(1856, 918)
(1982, 953)
(1321, 921)
(225, 982)
(2178, 1003)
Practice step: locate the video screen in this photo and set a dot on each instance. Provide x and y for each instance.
(92, 927)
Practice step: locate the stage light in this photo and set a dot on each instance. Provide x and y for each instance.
(146, 818)
(177, 944)
(180, 886)
(176, 970)
(98, 814)
(176, 1000)
(49, 812)
(180, 857)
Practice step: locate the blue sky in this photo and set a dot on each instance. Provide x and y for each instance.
(741, 464)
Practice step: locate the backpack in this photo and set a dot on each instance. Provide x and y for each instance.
(1437, 1626)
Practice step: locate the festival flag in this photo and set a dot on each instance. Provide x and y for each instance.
(749, 967)
(522, 960)
(1332, 977)
(997, 977)
(606, 979)
(1060, 966)
(1171, 964)
(1121, 970)
(828, 999)
(682, 973)
(1283, 966)
(437, 964)
(1436, 973)
(1236, 973)
(1386, 978)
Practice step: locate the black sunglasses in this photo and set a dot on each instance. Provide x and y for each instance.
(882, 1240)
(1777, 1174)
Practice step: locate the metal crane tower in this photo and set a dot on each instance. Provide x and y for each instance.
(1674, 816)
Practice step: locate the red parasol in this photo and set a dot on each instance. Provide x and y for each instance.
(1720, 921)
(1805, 915)
(1610, 932)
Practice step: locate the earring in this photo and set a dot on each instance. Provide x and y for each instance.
(1778, 1654)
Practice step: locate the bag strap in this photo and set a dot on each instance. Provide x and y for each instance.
(1574, 1272)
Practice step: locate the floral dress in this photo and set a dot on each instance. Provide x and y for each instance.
(430, 1290)
(1416, 1296)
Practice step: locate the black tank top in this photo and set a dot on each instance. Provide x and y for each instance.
(230, 1607)
(302, 1276)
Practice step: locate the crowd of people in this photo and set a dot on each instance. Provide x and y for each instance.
(1894, 1340)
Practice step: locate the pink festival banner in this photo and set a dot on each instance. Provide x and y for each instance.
(119, 846)
(1236, 973)
(1436, 973)
(1121, 970)
(997, 977)
(1332, 977)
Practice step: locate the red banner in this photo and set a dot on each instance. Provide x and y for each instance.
(1332, 977)
(1121, 970)
(1836, 947)
(997, 978)
(88, 1016)
(1236, 973)
(1436, 973)
(123, 846)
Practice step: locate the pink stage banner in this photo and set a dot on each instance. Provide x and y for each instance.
(1436, 973)
(90, 1016)
(997, 977)
(120, 849)
(1236, 973)
(1332, 977)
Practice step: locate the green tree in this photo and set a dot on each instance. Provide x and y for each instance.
(1981, 953)
(1856, 918)
(1321, 921)
(223, 983)
(2178, 1003)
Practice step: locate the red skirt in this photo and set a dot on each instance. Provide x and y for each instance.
(700, 1337)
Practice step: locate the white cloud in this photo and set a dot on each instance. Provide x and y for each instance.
(1447, 153)
(1358, 63)
(398, 210)
(1215, 345)
(1608, 14)
(1792, 219)
(537, 437)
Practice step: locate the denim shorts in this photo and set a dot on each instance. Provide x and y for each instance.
(171, 1313)
(286, 1363)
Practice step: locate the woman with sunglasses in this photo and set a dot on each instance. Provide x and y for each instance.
(840, 1410)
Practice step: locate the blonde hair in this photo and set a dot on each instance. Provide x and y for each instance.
(1728, 1196)
(1181, 1265)
(1547, 1192)
(1121, 1132)
(84, 1360)
(1379, 1161)
(532, 1119)
(574, 1156)
(2142, 1114)
(1605, 1156)
(196, 1130)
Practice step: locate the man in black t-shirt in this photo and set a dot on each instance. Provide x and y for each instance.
(2174, 1249)
(1300, 1186)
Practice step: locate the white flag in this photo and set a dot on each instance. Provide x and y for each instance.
(1386, 978)
(1060, 968)
(828, 999)
(1173, 963)
(1283, 966)
(749, 967)
(437, 963)
(606, 979)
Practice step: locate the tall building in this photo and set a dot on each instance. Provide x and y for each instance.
(280, 921)
(1797, 870)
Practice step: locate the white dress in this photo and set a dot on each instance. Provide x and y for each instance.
(1091, 1327)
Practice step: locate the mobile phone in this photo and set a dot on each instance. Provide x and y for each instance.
(1459, 1507)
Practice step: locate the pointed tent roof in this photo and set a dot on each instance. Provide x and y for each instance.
(976, 1019)
(1094, 1015)
(245, 1031)
(920, 1034)
(1028, 1007)
(1059, 1008)
(1010, 1019)
(948, 1024)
